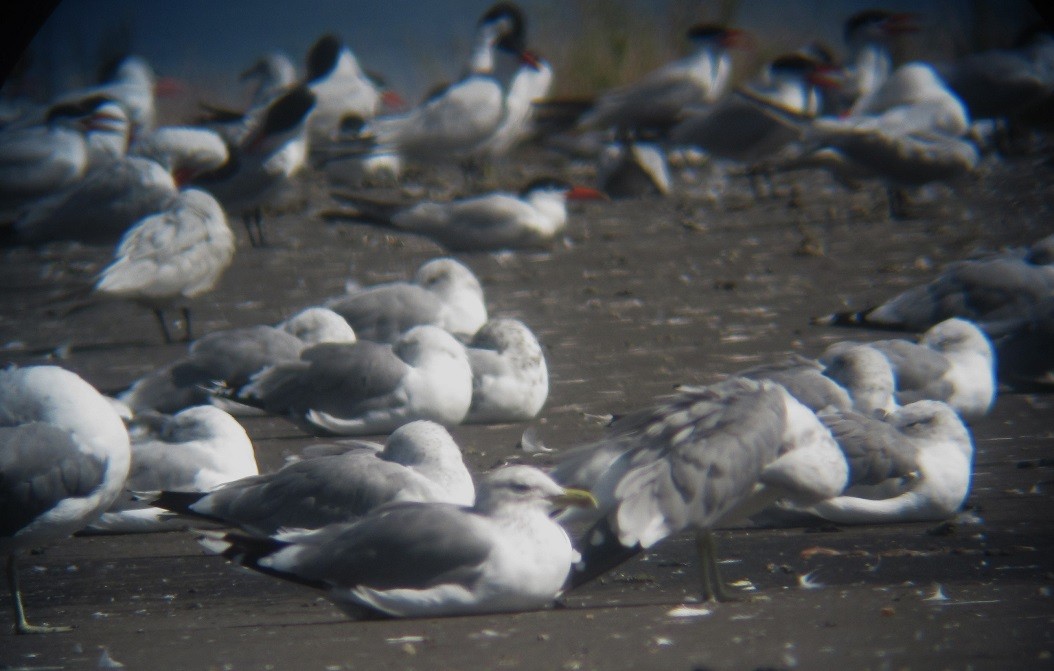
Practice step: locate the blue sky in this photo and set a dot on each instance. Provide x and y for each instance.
(416, 43)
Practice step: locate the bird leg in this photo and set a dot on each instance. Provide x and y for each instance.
(21, 626)
(713, 586)
(258, 219)
(160, 314)
(247, 221)
(187, 336)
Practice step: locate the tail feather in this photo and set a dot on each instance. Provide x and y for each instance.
(248, 551)
(362, 209)
(601, 551)
(177, 502)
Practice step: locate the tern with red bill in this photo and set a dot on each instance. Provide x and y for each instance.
(531, 219)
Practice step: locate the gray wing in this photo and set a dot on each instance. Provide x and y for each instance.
(40, 466)
(803, 379)
(315, 492)
(234, 356)
(336, 378)
(382, 314)
(405, 545)
(699, 456)
(874, 450)
(914, 366)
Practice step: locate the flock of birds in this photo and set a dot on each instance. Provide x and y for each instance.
(868, 432)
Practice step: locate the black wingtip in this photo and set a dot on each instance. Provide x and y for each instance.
(179, 502)
(601, 551)
(842, 319)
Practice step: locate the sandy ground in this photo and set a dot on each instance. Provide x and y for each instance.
(643, 295)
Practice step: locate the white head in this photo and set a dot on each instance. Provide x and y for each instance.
(958, 336)
(318, 325)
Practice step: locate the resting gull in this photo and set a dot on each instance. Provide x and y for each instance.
(510, 380)
(703, 456)
(859, 378)
(995, 288)
(443, 293)
(230, 358)
(913, 466)
(63, 459)
(431, 559)
(952, 362)
(365, 387)
(196, 450)
(419, 462)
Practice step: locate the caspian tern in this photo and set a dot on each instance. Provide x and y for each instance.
(736, 128)
(261, 164)
(530, 84)
(660, 99)
(271, 76)
(171, 256)
(341, 89)
(64, 456)
(868, 35)
(46, 159)
(631, 169)
(531, 219)
(131, 82)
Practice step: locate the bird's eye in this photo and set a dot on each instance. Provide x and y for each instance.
(520, 487)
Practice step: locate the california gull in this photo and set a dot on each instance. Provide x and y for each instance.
(195, 450)
(443, 293)
(419, 462)
(952, 362)
(503, 554)
(703, 456)
(171, 256)
(64, 457)
(365, 387)
(229, 358)
(510, 380)
(912, 466)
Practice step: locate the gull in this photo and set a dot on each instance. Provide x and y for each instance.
(503, 554)
(63, 460)
(171, 257)
(365, 387)
(419, 462)
(952, 362)
(531, 219)
(911, 466)
(510, 380)
(443, 293)
(229, 358)
(857, 378)
(990, 289)
(702, 457)
(197, 449)
(660, 98)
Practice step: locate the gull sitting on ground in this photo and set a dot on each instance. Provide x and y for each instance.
(196, 450)
(419, 462)
(510, 380)
(503, 554)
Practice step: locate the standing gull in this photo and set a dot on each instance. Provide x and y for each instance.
(704, 456)
(196, 450)
(365, 387)
(443, 293)
(432, 559)
(171, 257)
(419, 462)
(63, 459)
(510, 380)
